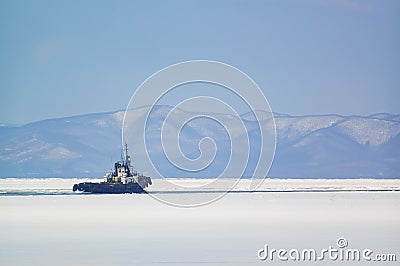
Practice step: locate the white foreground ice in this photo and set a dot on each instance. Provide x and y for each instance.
(138, 230)
(65, 184)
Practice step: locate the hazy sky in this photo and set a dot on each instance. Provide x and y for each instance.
(62, 58)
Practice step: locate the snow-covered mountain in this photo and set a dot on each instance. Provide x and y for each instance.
(313, 146)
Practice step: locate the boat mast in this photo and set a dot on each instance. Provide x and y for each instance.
(126, 152)
(128, 159)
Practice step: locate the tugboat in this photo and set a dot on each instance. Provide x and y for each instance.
(123, 179)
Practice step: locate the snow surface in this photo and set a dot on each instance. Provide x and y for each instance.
(138, 230)
(65, 184)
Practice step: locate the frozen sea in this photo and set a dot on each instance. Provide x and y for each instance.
(43, 223)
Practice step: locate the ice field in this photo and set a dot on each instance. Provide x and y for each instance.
(43, 223)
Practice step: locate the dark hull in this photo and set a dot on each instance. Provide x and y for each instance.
(108, 188)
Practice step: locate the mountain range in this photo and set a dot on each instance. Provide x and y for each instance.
(312, 146)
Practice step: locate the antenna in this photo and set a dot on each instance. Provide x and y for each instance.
(126, 152)
(128, 159)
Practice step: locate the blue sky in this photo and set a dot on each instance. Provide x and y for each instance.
(63, 58)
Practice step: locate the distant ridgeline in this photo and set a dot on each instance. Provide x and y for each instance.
(326, 146)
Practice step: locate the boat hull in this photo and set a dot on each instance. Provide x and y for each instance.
(108, 188)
